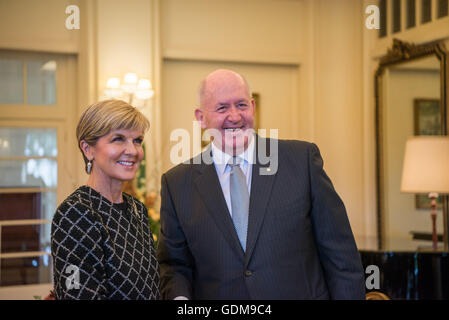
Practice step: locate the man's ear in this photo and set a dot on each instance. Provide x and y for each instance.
(199, 115)
(87, 150)
(253, 104)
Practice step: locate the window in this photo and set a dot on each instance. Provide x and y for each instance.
(442, 8)
(27, 82)
(411, 13)
(407, 14)
(29, 171)
(34, 122)
(11, 81)
(383, 18)
(426, 11)
(396, 10)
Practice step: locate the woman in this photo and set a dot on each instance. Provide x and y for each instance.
(102, 246)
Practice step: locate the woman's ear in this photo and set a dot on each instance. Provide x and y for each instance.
(87, 150)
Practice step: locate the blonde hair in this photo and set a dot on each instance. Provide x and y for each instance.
(105, 116)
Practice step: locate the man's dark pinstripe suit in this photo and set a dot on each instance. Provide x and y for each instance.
(299, 244)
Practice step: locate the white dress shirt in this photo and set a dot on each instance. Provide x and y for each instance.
(221, 160)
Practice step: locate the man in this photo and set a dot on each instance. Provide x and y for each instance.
(230, 230)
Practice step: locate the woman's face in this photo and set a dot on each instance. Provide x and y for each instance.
(117, 155)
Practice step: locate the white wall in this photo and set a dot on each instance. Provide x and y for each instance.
(232, 30)
(337, 100)
(123, 39)
(37, 25)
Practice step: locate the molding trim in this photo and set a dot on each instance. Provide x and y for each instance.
(194, 55)
(154, 152)
(402, 51)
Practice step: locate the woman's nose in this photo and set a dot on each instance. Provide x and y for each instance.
(131, 148)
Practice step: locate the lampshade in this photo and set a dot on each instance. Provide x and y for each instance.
(113, 90)
(113, 83)
(130, 82)
(130, 78)
(144, 84)
(144, 91)
(426, 165)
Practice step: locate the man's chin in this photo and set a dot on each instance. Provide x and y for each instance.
(231, 143)
(234, 147)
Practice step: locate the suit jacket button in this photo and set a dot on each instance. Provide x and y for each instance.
(248, 273)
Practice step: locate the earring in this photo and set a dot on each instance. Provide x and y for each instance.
(89, 167)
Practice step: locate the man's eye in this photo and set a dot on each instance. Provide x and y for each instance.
(242, 105)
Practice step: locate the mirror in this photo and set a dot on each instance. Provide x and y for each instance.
(411, 99)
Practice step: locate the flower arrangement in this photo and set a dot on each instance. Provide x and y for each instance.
(138, 189)
(150, 200)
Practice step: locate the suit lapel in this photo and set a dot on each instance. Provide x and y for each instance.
(261, 186)
(210, 191)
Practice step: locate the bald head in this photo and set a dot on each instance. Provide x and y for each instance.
(219, 79)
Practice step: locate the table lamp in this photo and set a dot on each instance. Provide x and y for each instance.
(426, 170)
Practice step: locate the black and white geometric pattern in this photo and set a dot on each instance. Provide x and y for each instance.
(109, 244)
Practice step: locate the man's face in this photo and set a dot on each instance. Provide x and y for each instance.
(229, 110)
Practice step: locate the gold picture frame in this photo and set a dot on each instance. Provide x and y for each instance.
(427, 117)
(427, 122)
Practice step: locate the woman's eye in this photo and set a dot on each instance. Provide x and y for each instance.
(117, 139)
(138, 141)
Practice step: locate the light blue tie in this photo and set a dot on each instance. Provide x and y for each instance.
(239, 200)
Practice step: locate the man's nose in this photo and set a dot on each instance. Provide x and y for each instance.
(234, 114)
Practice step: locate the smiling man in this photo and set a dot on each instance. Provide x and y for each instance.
(230, 232)
(227, 111)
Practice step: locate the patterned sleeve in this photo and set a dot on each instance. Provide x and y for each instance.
(77, 252)
(143, 211)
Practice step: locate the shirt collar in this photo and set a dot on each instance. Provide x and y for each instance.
(221, 159)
